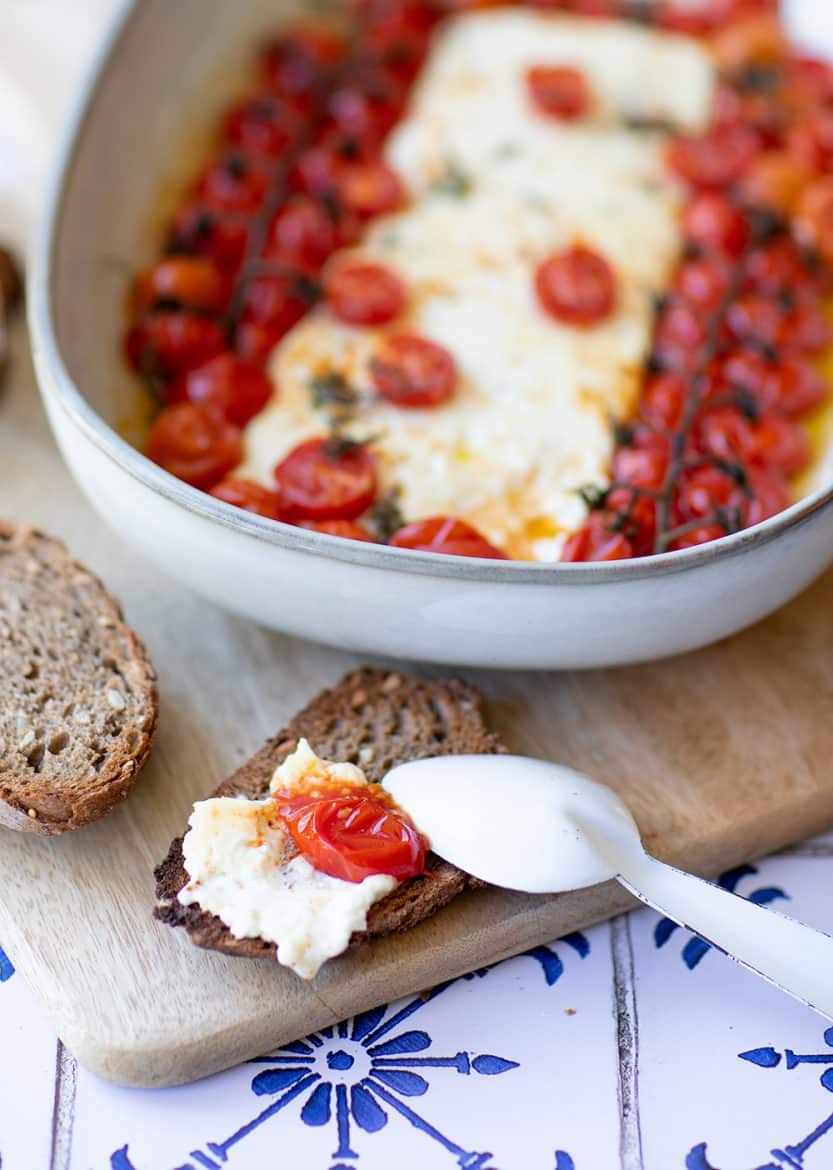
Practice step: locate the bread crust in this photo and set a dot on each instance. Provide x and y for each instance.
(396, 717)
(38, 803)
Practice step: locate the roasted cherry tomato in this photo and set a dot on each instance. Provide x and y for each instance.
(663, 401)
(167, 343)
(187, 282)
(703, 282)
(304, 233)
(235, 183)
(326, 479)
(347, 529)
(238, 389)
(701, 491)
(577, 287)
(700, 534)
(411, 371)
(368, 188)
(597, 541)
(297, 61)
(277, 300)
(714, 224)
(368, 105)
(681, 331)
(754, 39)
(250, 496)
(262, 125)
(770, 441)
(352, 834)
(642, 466)
(222, 238)
(360, 293)
(715, 159)
(774, 180)
(559, 91)
(195, 443)
(813, 222)
(811, 140)
(444, 534)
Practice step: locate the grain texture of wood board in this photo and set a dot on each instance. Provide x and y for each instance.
(723, 755)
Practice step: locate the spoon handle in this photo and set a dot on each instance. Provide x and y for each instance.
(793, 956)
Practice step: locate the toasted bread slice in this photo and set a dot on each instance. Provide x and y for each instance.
(79, 706)
(375, 719)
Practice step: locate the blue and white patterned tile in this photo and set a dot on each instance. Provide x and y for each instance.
(481, 1074)
(730, 1068)
(27, 1076)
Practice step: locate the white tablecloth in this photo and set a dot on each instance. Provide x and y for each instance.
(630, 1045)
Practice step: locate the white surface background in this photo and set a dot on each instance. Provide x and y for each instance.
(605, 1051)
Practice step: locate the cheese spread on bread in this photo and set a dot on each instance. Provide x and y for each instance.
(494, 187)
(243, 867)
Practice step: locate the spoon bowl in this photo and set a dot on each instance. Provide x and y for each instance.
(542, 828)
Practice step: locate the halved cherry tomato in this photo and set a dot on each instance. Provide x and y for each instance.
(238, 389)
(326, 479)
(352, 835)
(364, 294)
(715, 159)
(194, 443)
(369, 188)
(200, 231)
(252, 497)
(235, 183)
(559, 91)
(303, 234)
(444, 534)
(713, 223)
(170, 342)
(296, 61)
(262, 125)
(411, 371)
(447, 535)
(813, 222)
(189, 282)
(348, 529)
(576, 286)
(597, 541)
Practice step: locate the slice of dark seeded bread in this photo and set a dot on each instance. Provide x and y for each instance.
(79, 703)
(375, 719)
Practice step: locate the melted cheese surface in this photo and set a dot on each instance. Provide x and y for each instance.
(495, 187)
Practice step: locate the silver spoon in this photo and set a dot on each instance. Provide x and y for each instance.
(539, 827)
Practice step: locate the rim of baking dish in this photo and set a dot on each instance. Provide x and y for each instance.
(56, 383)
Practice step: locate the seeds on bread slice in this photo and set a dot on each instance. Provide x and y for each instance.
(80, 705)
(375, 719)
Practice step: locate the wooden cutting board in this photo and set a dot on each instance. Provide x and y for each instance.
(723, 756)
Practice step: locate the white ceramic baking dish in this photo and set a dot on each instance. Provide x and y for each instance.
(169, 67)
